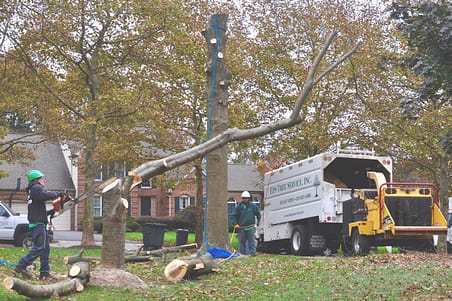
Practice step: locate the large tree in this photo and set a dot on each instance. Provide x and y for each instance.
(93, 76)
(112, 249)
(426, 27)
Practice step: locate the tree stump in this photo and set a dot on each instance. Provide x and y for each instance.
(179, 269)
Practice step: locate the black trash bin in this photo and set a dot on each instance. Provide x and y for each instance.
(181, 237)
(153, 234)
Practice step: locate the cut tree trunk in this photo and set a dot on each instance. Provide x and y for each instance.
(218, 82)
(179, 269)
(79, 274)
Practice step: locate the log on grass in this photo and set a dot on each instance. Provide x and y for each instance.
(131, 258)
(74, 259)
(163, 251)
(179, 269)
(79, 277)
(80, 270)
(44, 291)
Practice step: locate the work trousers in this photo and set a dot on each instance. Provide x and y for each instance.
(247, 241)
(40, 249)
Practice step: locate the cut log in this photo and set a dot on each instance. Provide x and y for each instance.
(44, 291)
(179, 269)
(79, 274)
(80, 270)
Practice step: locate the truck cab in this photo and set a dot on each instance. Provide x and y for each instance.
(13, 227)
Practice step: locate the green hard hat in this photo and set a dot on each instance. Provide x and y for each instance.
(34, 174)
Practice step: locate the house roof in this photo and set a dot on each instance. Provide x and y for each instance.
(49, 160)
(244, 177)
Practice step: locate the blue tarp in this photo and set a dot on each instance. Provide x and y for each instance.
(221, 253)
(4, 262)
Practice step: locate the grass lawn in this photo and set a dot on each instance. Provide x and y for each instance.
(414, 276)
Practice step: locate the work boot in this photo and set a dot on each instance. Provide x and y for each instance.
(23, 272)
(47, 276)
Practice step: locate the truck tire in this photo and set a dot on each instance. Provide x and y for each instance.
(347, 246)
(361, 244)
(299, 241)
(23, 239)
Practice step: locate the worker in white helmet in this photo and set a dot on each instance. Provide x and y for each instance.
(245, 219)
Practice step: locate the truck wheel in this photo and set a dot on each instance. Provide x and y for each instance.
(23, 239)
(299, 242)
(361, 245)
(347, 246)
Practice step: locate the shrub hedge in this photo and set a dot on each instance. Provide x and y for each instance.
(185, 219)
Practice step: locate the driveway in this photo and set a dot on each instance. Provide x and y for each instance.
(73, 236)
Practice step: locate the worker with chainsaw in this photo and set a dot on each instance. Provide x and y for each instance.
(245, 219)
(37, 196)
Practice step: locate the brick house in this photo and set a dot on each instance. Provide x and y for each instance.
(65, 173)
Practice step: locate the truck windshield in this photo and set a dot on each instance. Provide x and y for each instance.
(10, 210)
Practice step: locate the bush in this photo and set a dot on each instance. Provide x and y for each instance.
(132, 225)
(185, 219)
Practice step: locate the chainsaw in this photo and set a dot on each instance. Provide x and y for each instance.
(65, 202)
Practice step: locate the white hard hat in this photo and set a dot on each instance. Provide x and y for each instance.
(246, 194)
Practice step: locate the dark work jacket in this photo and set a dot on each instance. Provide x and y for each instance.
(246, 214)
(37, 197)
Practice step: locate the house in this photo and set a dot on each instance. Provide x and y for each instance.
(65, 173)
(53, 161)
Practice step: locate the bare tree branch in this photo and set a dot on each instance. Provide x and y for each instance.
(152, 168)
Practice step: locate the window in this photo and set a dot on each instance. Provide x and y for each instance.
(149, 183)
(183, 202)
(147, 206)
(97, 206)
(98, 176)
(232, 203)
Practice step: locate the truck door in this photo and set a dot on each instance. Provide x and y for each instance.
(6, 224)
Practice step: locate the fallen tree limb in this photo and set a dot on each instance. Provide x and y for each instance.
(74, 259)
(131, 258)
(77, 283)
(163, 251)
(179, 269)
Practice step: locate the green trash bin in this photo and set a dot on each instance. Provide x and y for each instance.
(153, 234)
(181, 237)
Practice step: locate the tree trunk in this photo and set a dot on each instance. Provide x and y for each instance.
(218, 80)
(90, 171)
(114, 227)
(179, 269)
(199, 203)
(444, 184)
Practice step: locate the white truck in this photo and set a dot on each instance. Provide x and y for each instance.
(14, 227)
(344, 198)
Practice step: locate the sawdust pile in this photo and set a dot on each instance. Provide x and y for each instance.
(109, 277)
